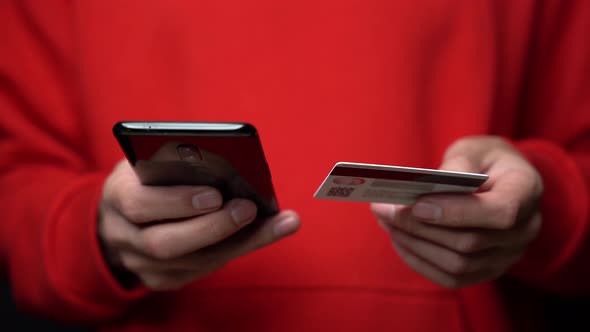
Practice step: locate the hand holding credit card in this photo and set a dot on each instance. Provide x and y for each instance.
(393, 184)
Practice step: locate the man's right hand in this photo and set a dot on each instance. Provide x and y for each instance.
(170, 236)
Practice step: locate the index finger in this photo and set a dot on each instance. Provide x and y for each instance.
(141, 204)
(177, 238)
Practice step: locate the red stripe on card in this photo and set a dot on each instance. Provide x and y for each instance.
(457, 180)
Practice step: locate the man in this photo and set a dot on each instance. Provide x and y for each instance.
(493, 87)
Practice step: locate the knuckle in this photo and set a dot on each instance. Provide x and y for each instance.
(107, 228)
(507, 214)
(161, 282)
(157, 244)
(468, 243)
(459, 265)
(527, 176)
(456, 217)
(530, 179)
(213, 231)
(461, 218)
(453, 215)
(406, 223)
(133, 211)
(130, 206)
(114, 232)
(133, 262)
(220, 230)
(111, 238)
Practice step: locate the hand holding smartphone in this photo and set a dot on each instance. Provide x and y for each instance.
(227, 156)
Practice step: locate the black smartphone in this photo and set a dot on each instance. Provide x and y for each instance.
(224, 155)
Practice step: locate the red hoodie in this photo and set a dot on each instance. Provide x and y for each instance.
(377, 81)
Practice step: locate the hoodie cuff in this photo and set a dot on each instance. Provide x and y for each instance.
(564, 210)
(75, 262)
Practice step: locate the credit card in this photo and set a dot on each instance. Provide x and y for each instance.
(393, 184)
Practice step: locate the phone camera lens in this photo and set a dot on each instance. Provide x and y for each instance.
(189, 153)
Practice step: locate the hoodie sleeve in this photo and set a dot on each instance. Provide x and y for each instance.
(49, 188)
(555, 137)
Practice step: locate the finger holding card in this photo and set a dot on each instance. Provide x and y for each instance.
(453, 256)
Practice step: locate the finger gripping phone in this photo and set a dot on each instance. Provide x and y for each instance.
(225, 155)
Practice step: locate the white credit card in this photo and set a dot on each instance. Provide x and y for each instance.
(393, 184)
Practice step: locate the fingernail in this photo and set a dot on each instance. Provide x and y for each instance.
(242, 211)
(285, 227)
(427, 211)
(206, 200)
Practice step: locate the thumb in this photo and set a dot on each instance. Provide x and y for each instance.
(465, 155)
(460, 164)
